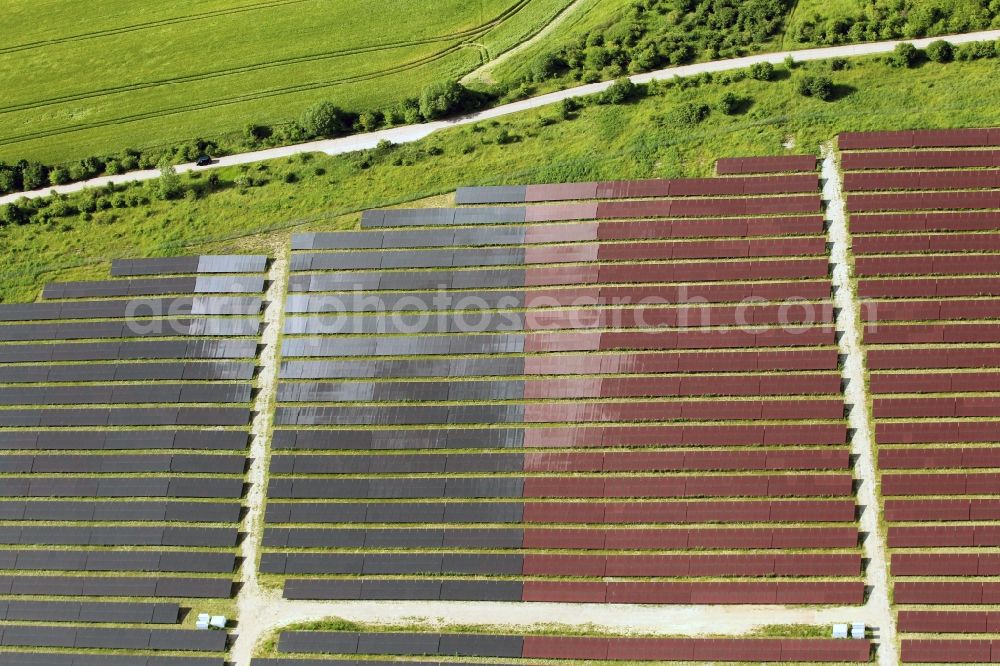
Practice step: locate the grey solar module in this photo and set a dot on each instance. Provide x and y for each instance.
(120, 613)
(229, 440)
(195, 588)
(472, 645)
(163, 613)
(491, 194)
(231, 264)
(315, 641)
(481, 590)
(405, 563)
(128, 511)
(399, 643)
(203, 537)
(194, 487)
(483, 538)
(298, 588)
(272, 563)
(44, 611)
(404, 538)
(218, 371)
(408, 464)
(91, 372)
(47, 586)
(209, 284)
(126, 267)
(401, 590)
(197, 562)
(45, 659)
(486, 512)
(38, 637)
(16, 464)
(64, 560)
(23, 374)
(120, 638)
(208, 464)
(11, 510)
(424, 512)
(406, 487)
(124, 536)
(55, 487)
(56, 510)
(484, 487)
(124, 561)
(202, 512)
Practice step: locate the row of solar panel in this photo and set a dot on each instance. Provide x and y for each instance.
(619, 566)
(913, 310)
(767, 164)
(923, 180)
(198, 264)
(122, 464)
(925, 432)
(569, 364)
(786, 593)
(923, 201)
(565, 436)
(591, 274)
(928, 286)
(936, 536)
(602, 210)
(230, 284)
(96, 611)
(116, 586)
(919, 138)
(123, 439)
(74, 560)
(585, 648)
(930, 159)
(515, 343)
(945, 651)
(101, 659)
(942, 510)
(382, 259)
(126, 394)
(947, 593)
(941, 458)
(201, 537)
(919, 243)
(119, 638)
(933, 357)
(137, 328)
(618, 387)
(800, 485)
(126, 372)
(114, 417)
(559, 233)
(769, 538)
(131, 511)
(215, 487)
(883, 334)
(133, 308)
(940, 484)
(620, 189)
(612, 461)
(478, 320)
(873, 223)
(935, 407)
(683, 295)
(559, 412)
(945, 564)
(673, 512)
(129, 351)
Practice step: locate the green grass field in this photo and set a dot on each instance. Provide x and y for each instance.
(81, 79)
(628, 141)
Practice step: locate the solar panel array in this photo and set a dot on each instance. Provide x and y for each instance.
(926, 233)
(125, 407)
(611, 392)
(357, 647)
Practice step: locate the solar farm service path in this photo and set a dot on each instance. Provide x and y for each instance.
(863, 440)
(410, 133)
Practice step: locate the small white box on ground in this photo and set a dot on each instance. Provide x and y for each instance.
(201, 625)
(840, 631)
(218, 621)
(858, 630)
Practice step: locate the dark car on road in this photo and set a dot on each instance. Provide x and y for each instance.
(203, 160)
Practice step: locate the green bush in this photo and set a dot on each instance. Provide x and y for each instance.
(815, 85)
(168, 185)
(976, 51)
(940, 51)
(59, 175)
(254, 132)
(838, 64)
(324, 119)
(370, 120)
(441, 99)
(34, 175)
(762, 71)
(619, 92)
(689, 113)
(729, 103)
(10, 179)
(547, 66)
(904, 55)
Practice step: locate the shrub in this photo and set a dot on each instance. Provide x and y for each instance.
(940, 51)
(441, 99)
(59, 175)
(818, 86)
(762, 71)
(34, 175)
(689, 113)
(14, 214)
(547, 66)
(904, 55)
(10, 179)
(168, 185)
(622, 90)
(324, 119)
(838, 64)
(729, 103)
(370, 120)
(976, 51)
(254, 132)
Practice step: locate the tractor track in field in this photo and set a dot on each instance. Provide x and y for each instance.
(463, 35)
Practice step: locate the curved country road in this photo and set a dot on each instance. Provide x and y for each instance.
(409, 133)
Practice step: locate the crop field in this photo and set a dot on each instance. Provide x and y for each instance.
(80, 79)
